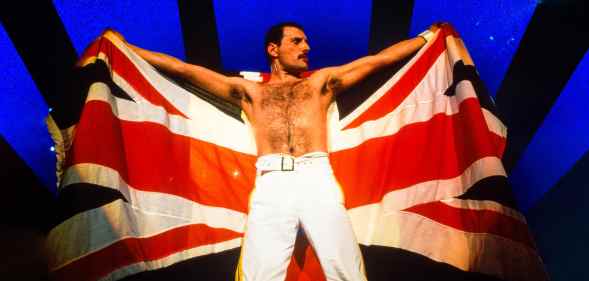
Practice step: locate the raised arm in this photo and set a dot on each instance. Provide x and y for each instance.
(211, 81)
(342, 77)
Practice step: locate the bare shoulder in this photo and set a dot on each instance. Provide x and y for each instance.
(238, 81)
(243, 88)
(326, 79)
(322, 73)
(320, 76)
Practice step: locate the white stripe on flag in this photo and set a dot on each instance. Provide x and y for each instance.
(205, 127)
(478, 252)
(152, 212)
(364, 218)
(373, 98)
(172, 259)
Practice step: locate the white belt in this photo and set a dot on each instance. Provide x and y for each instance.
(287, 162)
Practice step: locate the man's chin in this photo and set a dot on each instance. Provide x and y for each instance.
(303, 67)
(298, 70)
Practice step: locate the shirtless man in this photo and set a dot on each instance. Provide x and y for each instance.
(295, 186)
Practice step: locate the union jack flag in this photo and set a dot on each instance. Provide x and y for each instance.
(156, 175)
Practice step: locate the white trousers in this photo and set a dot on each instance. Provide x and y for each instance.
(282, 201)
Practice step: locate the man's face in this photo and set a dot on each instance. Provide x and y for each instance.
(293, 50)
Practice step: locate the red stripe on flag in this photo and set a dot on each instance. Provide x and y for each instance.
(499, 142)
(133, 250)
(448, 30)
(404, 86)
(476, 221)
(441, 148)
(121, 64)
(92, 50)
(304, 264)
(151, 158)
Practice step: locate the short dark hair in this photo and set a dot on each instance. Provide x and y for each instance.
(275, 34)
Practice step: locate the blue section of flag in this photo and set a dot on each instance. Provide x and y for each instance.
(153, 25)
(562, 139)
(337, 30)
(22, 118)
(492, 30)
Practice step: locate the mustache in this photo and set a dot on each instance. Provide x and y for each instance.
(301, 56)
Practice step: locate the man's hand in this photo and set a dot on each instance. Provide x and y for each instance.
(437, 25)
(115, 33)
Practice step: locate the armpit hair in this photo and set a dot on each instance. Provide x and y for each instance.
(239, 94)
(333, 84)
(236, 94)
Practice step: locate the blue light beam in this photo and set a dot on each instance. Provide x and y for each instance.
(491, 30)
(153, 25)
(22, 118)
(562, 139)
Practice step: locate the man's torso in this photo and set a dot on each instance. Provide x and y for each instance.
(288, 117)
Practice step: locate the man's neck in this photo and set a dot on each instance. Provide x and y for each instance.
(279, 75)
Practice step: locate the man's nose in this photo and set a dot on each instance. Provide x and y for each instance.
(305, 46)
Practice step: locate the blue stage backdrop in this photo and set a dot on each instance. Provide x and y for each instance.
(337, 30)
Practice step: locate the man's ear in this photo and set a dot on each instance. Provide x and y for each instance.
(272, 50)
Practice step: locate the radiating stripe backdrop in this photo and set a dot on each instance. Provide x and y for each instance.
(532, 56)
